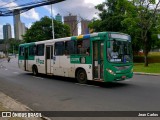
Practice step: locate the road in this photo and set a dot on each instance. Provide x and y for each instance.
(46, 93)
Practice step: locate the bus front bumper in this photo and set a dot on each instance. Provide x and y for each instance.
(118, 77)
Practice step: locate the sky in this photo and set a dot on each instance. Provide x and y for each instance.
(82, 8)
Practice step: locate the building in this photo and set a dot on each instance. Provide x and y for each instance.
(84, 26)
(58, 17)
(19, 27)
(7, 34)
(22, 30)
(73, 23)
(16, 20)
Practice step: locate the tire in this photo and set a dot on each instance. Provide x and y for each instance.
(35, 70)
(81, 76)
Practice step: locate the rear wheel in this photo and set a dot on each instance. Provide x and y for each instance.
(81, 76)
(35, 70)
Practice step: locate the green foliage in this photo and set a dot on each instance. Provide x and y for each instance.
(13, 45)
(110, 16)
(42, 30)
(147, 25)
(1, 41)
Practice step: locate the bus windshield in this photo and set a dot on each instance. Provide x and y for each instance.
(119, 51)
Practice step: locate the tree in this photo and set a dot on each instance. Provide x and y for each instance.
(110, 17)
(42, 30)
(145, 23)
(12, 45)
(1, 41)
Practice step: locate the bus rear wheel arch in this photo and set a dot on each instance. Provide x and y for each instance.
(35, 70)
(81, 76)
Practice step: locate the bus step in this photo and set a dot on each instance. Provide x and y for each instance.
(99, 80)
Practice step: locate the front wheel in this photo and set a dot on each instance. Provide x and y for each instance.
(81, 76)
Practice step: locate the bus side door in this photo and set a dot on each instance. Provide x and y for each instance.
(98, 59)
(49, 58)
(26, 58)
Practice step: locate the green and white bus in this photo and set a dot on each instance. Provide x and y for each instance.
(102, 56)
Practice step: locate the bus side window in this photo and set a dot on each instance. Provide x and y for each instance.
(69, 47)
(79, 47)
(59, 48)
(32, 50)
(83, 47)
(21, 51)
(40, 50)
(35, 49)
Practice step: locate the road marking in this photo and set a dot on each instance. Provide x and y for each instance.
(15, 72)
(1, 66)
(6, 69)
(86, 85)
(127, 80)
(38, 77)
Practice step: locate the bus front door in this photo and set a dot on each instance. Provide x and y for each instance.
(26, 59)
(49, 57)
(98, 59)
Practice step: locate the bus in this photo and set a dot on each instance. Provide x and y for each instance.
(102, 56)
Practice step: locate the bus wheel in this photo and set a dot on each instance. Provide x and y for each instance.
(81, 76)
(35, 70)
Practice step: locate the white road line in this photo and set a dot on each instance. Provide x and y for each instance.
(86, 85)
(128, 80)
(15, 72)
(38, 77)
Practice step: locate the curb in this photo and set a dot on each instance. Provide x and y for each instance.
(142, 73)
(13, 105)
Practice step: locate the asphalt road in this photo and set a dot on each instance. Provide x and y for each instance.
(46, 93)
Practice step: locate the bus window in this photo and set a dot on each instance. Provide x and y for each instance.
(40, 50)
(21, 51)
(83, 47)
(59, 48)
(32, 50)
(119, 51)
(69, 47)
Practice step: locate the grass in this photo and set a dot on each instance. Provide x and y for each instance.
(152, 68)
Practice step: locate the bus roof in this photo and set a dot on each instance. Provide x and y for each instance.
(71, 38)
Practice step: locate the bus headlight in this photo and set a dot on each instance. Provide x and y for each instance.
(110, 71)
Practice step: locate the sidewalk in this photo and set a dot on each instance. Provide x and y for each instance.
(9, 104)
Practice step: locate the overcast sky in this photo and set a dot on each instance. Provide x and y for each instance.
(81, 8)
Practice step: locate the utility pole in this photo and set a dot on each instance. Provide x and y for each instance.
(52, 21)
